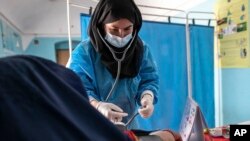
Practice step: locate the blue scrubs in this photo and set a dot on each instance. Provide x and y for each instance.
(86, 62)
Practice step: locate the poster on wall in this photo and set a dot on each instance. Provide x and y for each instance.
(232, 33)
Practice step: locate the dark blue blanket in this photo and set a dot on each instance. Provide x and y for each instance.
(43, 101)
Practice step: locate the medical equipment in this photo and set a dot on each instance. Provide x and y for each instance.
(123, 126)
(117, 59)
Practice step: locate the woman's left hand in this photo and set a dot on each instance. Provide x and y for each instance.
(147, 106)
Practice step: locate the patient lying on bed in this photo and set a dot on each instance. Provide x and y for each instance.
(43, 101)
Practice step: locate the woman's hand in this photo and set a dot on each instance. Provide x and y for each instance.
(147, 106)
(111, 111)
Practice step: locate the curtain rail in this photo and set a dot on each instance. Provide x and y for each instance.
(79, 6)
(145, 14)
(162, 8)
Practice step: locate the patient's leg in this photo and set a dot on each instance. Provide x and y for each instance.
(167, 135)
(164, 135)
(160, 135)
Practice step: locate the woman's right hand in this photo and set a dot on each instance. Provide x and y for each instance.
(111, 111)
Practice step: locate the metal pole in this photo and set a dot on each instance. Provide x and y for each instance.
(189, 71)
(79, 6)
(69, 30)
(162, 8)
(189, 65)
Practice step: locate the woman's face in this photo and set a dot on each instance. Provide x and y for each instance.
(119, 28)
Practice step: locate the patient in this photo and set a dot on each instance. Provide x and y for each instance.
(43, 101)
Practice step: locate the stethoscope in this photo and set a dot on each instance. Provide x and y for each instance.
(116, 59)
(121, 126)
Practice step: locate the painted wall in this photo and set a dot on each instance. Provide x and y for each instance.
(235, 95)
(235, 91)
(11, 43)
(45, 46)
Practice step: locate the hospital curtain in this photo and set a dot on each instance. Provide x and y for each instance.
(202, 53)
(167, 42)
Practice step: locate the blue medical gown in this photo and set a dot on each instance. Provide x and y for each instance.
(86, 62)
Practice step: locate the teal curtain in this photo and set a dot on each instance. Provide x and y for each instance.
(202, 53)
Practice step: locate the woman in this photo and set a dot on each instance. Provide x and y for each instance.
(115, 65)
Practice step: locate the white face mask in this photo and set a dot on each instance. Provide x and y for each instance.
(118, 41)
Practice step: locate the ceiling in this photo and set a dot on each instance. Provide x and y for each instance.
(49, 17)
